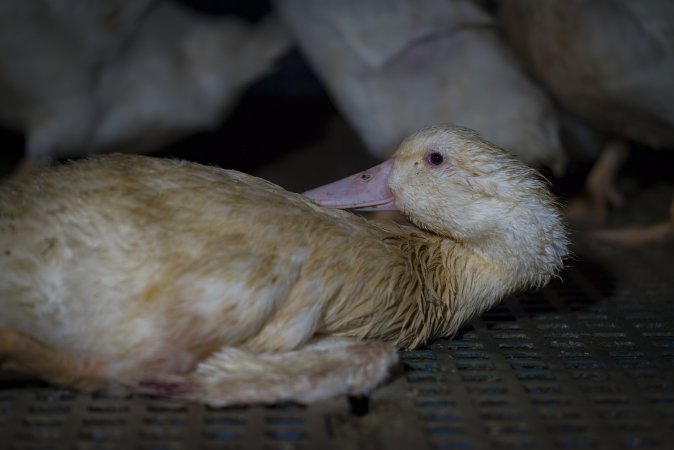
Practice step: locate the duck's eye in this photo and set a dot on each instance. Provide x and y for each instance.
(435, 158)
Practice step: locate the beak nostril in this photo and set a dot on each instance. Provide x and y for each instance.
(368, 189)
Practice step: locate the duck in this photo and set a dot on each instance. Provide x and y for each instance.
(611, 64)
(170, 278)
(123, 76)
(393, 67)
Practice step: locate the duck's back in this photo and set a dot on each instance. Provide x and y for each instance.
(120, 250)
(610, 62)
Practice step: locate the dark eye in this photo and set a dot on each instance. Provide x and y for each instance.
(435, 159)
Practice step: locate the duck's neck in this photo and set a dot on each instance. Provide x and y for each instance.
(527, 248)
(429, 287)
(453, 286)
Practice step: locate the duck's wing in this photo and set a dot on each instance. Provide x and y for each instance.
(324, 368)
(136, 260)
(176, 319)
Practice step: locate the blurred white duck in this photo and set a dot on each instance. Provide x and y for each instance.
(395, 66)
(612, 64)
(79, 76)
(202, 283)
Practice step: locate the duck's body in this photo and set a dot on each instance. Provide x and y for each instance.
(612, 64)
(80, 77)
(175, 237)
(609, 62)
(149, 267)
(393, 67)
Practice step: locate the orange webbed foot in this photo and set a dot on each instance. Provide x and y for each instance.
(636, 236)
(591, 209)
(170, 386)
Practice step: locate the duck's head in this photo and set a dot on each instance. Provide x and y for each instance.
(451, 182)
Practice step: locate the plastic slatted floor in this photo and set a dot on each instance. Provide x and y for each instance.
(587, 363)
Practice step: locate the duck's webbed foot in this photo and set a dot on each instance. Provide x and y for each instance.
(324, 368)
(166, 385)
(600, 191)
(27, 355)
(635, 236)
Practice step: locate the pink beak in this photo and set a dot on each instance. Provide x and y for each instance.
(364, 191)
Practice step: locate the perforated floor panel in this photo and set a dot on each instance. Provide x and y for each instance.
(586, 363)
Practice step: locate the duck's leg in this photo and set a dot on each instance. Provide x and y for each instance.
(640, 235)
(324, 368)
(22, 353)
(600, 190)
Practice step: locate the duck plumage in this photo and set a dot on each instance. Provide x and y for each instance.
(393, 67)
(82, 77)
(612, 64)
(149, 266)
(609, 62)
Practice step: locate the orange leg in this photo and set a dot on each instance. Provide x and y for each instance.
(640, 235)
(22, 353)
(600, 190)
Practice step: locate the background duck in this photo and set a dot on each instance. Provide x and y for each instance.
(185, 280)
(393, 67)
(612, 64)
(79, 77)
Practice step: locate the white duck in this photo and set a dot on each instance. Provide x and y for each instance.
(190, 281)
(612, 64)
(395, 66)
(79, 77)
